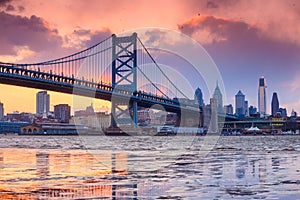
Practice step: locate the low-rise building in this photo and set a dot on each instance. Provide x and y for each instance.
(52, 129)
(11, 127)
(98, 121)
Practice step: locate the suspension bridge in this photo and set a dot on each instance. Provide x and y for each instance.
(116, 69)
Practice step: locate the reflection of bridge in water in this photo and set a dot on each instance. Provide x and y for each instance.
(238, 166)
(68, 175)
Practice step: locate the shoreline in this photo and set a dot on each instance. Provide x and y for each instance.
(156, 135)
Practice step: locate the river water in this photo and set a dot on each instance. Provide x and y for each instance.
(100, 167)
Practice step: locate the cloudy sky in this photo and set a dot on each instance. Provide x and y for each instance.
(246, 39)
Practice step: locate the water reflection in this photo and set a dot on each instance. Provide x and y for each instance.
(35, 174)
(224, 173)
(42, 165)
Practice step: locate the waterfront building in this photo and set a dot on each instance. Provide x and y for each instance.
(52, 129)
(1, 111)
(274, 104)
(198, 97)
(31, 129)
(228, 109)
(262, 96)
(240, 104)
(62, 112)
(158, 118)
(20, 117)
(13, 117)
(252, 110)
(219, 98)
(42, 103)
(143, 115)
(11, 127)
(96, 120)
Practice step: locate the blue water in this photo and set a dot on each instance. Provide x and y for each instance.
(97, 167)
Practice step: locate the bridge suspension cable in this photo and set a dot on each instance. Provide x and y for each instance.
(169, 81)
(94, 65)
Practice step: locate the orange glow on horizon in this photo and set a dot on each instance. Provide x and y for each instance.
(13, 95)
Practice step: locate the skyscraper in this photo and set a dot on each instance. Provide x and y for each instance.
(1, 111)
(262, 95)
(274, 104)
(42, 103)
(218, 96)
(198, 97)
(228, 109)
(240, 104)
(213, 126)
(246, 108)
(62, 112)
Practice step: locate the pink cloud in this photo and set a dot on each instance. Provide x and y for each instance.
(210, 29)
(32, 32)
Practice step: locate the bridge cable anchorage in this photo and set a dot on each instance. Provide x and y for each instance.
(161, 69)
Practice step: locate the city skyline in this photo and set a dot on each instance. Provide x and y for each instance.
(242, 107)
(198, 96)
(264, 48)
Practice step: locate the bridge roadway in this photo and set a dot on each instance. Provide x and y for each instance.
(19, 75)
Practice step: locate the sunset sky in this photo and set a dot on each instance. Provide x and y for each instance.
(246, 39)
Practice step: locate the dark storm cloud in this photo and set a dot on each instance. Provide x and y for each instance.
(7, 5)
(10, 8)
(233, 31)
(32, 32)
(3, 3)
(233, 40)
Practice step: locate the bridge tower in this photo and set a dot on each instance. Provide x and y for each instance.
(124, 76)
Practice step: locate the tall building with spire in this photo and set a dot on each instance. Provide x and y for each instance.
(274, 104)
(262, 109)
(218, 95)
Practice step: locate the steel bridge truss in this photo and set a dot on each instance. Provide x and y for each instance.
(124, 76)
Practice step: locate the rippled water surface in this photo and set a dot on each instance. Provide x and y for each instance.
(98, 167)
